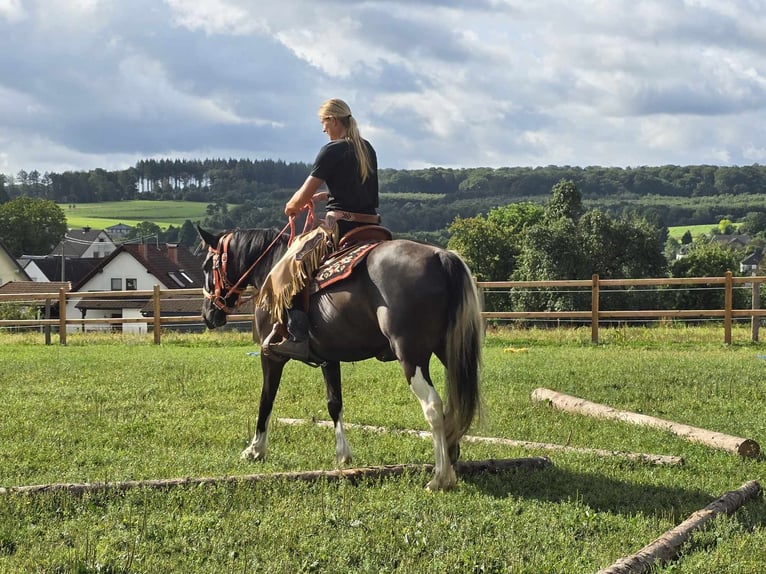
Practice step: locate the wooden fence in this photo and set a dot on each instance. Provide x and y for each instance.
(594, 315)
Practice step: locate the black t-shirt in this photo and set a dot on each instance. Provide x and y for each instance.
(336, 164)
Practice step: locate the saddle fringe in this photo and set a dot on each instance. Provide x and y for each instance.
(294, 270)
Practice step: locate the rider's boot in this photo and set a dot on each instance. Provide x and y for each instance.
(296, 344)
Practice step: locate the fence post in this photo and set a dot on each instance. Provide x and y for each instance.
(594, 309)
(47, 316)
(62, 316)
(728, 299)
(480, 293)
(157, 311)
(755, 303)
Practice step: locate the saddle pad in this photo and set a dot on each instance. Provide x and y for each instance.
(340, 265)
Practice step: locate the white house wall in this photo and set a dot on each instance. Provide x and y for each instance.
(102, 247)
(9, 270)
(123, 266)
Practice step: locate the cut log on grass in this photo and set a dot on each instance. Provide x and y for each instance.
(463, 468)
(743, 446)
(656, 459)
(666, 546)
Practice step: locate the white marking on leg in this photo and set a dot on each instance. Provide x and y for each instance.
(431, 403)
(342, 449)
(259, 444)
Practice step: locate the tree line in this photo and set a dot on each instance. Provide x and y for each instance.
(417, 202)
(558, 238)
(561, 240)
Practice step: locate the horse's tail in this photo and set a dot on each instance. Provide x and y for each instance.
(463, 348)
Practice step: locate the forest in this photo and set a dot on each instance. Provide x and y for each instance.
(420, 203)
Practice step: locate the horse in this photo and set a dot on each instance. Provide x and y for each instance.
(406, 301)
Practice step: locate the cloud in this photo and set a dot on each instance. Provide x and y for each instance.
(97, 83)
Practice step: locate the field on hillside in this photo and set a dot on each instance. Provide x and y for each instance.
(165, 213)
(115, 407)
(106, 214)
(703, 229)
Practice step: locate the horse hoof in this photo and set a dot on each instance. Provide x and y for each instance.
(438, 484)
(252, 454)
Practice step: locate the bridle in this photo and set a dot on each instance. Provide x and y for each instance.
(222, 287)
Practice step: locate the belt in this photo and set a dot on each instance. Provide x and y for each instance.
(338, 215)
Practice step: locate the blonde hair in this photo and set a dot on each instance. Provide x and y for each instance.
(338, 109)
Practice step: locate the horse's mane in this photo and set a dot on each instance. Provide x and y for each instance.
(248, 244)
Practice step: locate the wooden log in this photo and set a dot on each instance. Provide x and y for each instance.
(667, 546)
(743, 446)
(464, 468)
(655, 459)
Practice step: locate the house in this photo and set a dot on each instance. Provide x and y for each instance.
(135, 267)
(119, 231)
(733, 241)
(10, 269)
(48, 268)
(27, 287)
(85, 242)
(750, 264)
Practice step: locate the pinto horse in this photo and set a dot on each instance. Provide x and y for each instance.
(405, 302)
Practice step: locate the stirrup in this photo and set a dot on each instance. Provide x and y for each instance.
(291, 349)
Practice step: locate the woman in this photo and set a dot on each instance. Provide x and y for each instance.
(348, 166)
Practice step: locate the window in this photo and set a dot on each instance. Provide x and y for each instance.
(131, 284)
(116, 284)
(176, 278)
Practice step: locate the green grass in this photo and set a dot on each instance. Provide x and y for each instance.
(106, 214)
(677, 232)
(413, 196)
(113, 408)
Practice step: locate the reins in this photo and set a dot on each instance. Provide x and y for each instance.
(221, 257)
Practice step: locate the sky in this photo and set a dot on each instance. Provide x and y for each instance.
(88, 84)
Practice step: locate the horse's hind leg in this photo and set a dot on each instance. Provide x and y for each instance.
(331, 372)
(431, 403)
(272, 375)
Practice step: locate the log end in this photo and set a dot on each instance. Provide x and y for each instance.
(748, 448)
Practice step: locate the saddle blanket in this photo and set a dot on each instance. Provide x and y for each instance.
(340, 265)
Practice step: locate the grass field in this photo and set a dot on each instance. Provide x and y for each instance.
(677, 232)
(106, 214)
(114, 407)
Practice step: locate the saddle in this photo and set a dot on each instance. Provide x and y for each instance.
(352, 250)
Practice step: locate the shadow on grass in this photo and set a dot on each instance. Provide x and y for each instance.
(601, 493)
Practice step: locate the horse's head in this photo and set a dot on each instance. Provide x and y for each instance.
(235, 260)
(218, 301)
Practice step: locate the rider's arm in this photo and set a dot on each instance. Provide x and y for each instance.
(303, 195)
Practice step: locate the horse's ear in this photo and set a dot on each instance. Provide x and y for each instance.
(208, 238)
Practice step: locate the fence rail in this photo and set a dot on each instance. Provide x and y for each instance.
(594, 315)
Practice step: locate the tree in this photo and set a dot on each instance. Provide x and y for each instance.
(490, 245)
(726, 227)
(753, 223)
(188, 234)
(3, 193)
(705, 260)
(566, 202)
(31, 226)
(145, 230)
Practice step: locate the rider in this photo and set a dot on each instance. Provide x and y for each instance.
(347, 165)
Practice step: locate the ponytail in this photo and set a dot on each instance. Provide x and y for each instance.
(339, 110)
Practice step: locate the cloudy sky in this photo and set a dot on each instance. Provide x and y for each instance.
(452, 83)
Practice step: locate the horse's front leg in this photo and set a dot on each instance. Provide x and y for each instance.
(272, 375)
(331, 372)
